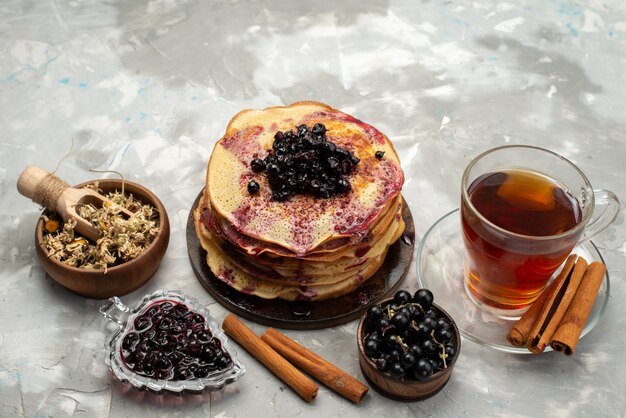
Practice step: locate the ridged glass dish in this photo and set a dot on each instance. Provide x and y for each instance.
(440, 259)
(123, 319)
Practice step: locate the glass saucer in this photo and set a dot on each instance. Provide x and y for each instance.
(440, 258)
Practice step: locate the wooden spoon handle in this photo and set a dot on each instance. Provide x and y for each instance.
(31, 178)
(56, 195)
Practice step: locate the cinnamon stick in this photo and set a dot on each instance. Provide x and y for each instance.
(314, 365)
(555, 307)
(270, 358)
(568, 333)
(518, 335)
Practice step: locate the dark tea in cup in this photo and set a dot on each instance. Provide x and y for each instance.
(523, 210)
(524, 203)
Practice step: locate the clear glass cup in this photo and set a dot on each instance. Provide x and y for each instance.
(506, 268)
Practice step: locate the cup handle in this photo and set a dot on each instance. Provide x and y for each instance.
(599, 221)
(115, 310)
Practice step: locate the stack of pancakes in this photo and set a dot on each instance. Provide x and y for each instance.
(305, 248)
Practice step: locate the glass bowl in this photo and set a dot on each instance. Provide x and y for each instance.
(123, 319)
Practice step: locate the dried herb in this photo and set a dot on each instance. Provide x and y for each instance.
(121, 238)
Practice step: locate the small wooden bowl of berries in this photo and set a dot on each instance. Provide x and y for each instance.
(408, 346)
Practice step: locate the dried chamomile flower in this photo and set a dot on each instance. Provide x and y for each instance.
(121, 239)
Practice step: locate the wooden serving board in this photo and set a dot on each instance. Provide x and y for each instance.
(301, 314)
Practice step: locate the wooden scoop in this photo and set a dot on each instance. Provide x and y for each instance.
(56, 195)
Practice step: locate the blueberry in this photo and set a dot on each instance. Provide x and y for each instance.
(376, 336)
(375, 312)
(130, 340)
(333, 164)
(288, 160)
(319, 129)
(379, 154)
(183, 374)
(443, 335)
(395, 353)
(416, 350)
(382, 363)
(382, 324)
(437, 362)
(371, 347)
(302, 130)
(391, 338)
(402, 297)
(432, 312)
(442, 323)
(423, 369)
(407, 359)
(315, 184)
(223, 362)
(346, 166)
(429, 347)
(400, 321)
(270, 159)
(323, 192)
(410, 310)
(281, 195)
(396, 370)
(152, 311)
(342, 153)
(253, 187)
(424, 330)
(279, 145)
(430, 321)
(450, 350)
(329, 147)
(142, 323)
(417, 314)
(424, 297)
(273, 169)
(343, 185)
(165, 324)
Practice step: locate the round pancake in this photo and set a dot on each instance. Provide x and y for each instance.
(310, 273)
(304, 222)
(329, 251)
(228, 272)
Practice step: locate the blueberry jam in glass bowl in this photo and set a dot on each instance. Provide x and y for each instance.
(169, 342)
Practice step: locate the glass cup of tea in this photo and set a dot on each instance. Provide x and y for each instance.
(523, 210)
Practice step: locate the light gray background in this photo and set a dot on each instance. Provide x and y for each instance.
(147, 87)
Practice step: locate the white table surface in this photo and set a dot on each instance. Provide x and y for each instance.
(147, 87)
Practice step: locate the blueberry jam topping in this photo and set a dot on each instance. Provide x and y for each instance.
(170, 342)
(305, 162)
(409, 338)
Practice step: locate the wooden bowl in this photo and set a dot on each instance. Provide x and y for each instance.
(118, 280)
(406, 389)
